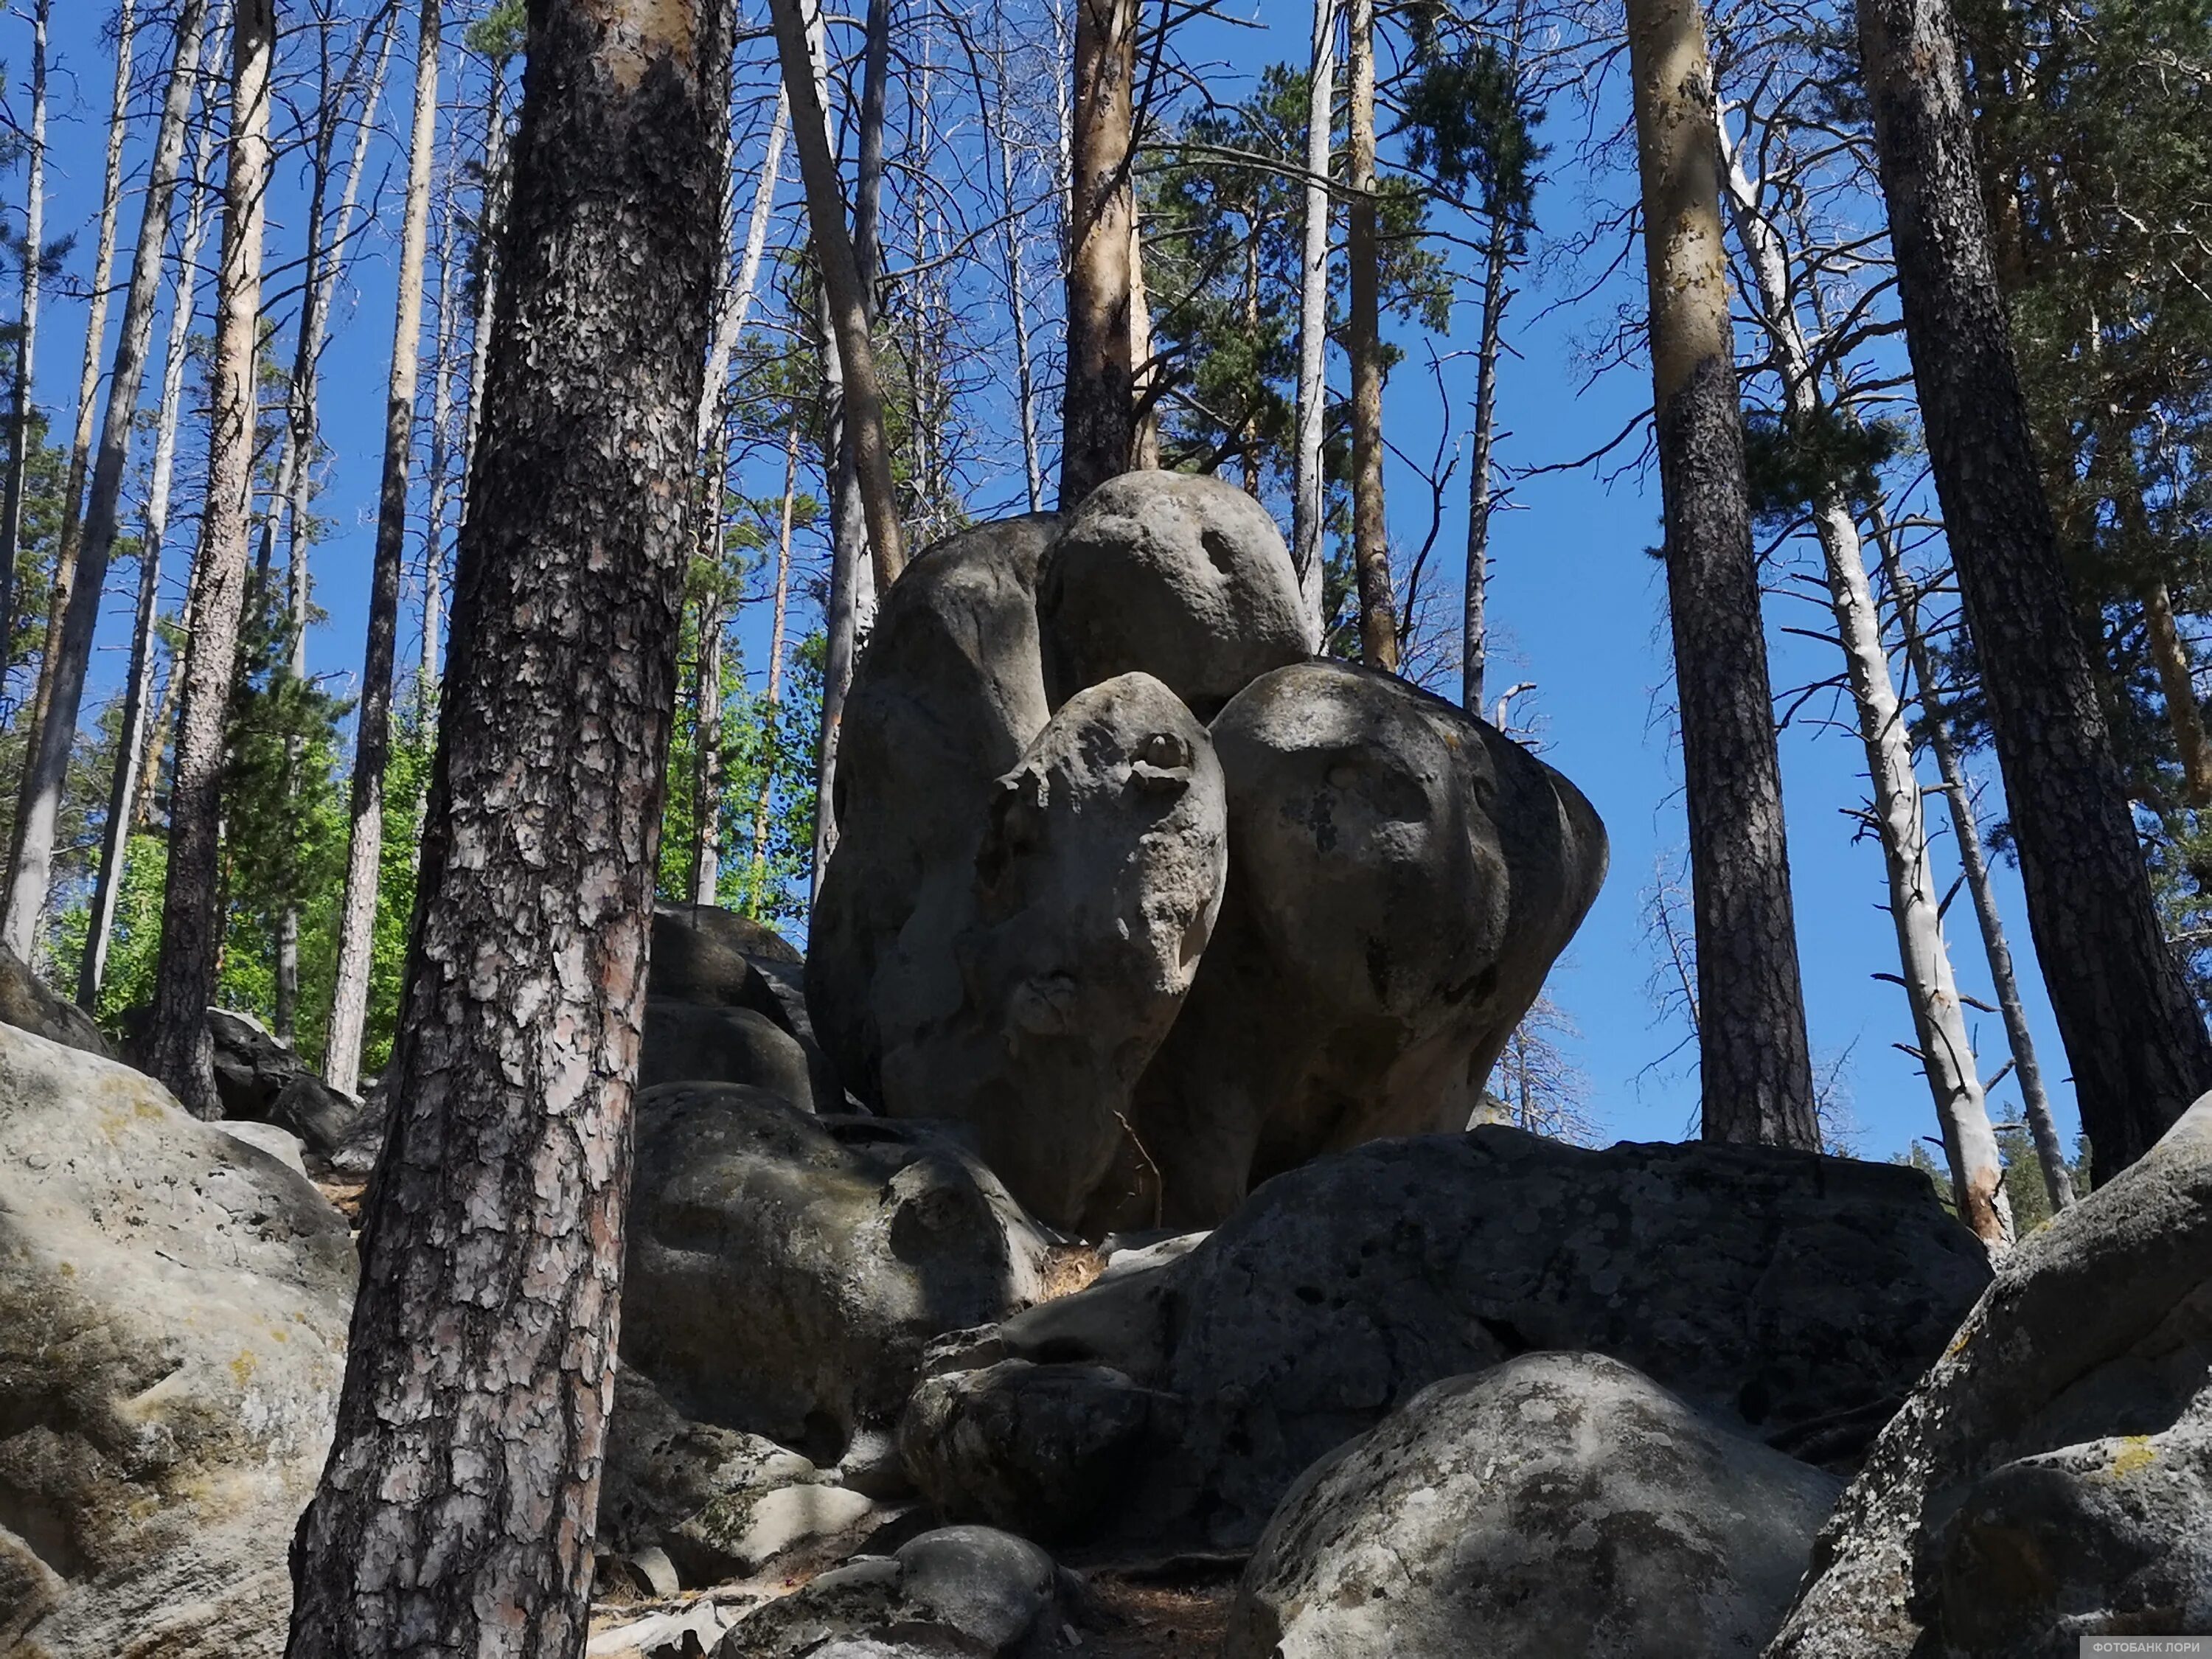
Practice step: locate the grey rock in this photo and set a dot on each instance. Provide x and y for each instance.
(711, 958)
(174, 1308)
(1795, 1296)
(710, 1042)
(280, 1144)
(944, 699)
(2051, 1477)
(1561, 1504)
(1173, 575)
(1093, 894)
(1401, 878)
(258, 1079)
(785, 1271)
(29, 1004)
(963, 1591)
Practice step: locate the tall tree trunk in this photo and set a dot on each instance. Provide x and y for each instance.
(179, 1052)
(1097, 406)
(995, 135)
(2184, 715)
(2035, 1101)
(845, 295)
(1474, 620)
(372, 731)
(1939, 1019)
(491, 236)
(773, 698)
(439, 462)
(706, 731)
(27, 341)
(139, 741)
(2134, 1034)
(70, 652)
(1370, 530)
(730, 323)
(1755, 1070)
(482, 1363)
(1145, 415)
(1309, 485)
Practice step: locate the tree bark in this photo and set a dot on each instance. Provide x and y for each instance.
(1939, 1021)
(1754, 1067)
(1475, 621)
(729, 324)
(482, 1362)
(706, 718)
(27, 341)
(70, 652)
(1308, 487)
(139, 739)
(439, 462)
(179, 1054)
(2183, 713)
(773, 697)
(844, 294)
(491, 235)
(2134, 1034)
(1097, 407)
(372, 731)
(1371, 529)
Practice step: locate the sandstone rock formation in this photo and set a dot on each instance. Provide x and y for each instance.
(1796, 1295)
(711, 1043)
(259, 1080)
(785, 1271)
(1175, 575)
(174, 1306)
(28, 1004)
(2051, 1478)
(725, 1004)
(1401, 878)
(1561, 1504)
(1093, 894)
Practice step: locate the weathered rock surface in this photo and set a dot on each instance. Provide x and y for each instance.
(1092, 897)
(29, 1004)
(260, 1080)
(785, 1271)
(2051, 1478)
(1562, 1504)
(717, 979)
(960, 1593)
(1799, 1296)
(944, 701)
(1175, 575)
(712, 1042)
(1401, 878)
(174, 1307)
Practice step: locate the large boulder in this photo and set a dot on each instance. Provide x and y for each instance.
(1093, 893)
(1562, 1504)
(1175, 575)
(712, 1042)
(785, 1271)
(944, 699)
(727, 1003)
(259, 1080)
(173, 1306)
(28, 1004)
(2051, 1478)
(1401, 878)
(1795, 1296)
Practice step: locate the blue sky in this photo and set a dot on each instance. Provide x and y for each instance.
(1577, 607)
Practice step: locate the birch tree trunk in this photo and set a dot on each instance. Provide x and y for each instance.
(373, 732)
(1309, 485)
(179, 1053)
(1371, 529)
(70, 652)
(1096, 405)
(2133, 1032)
(482, 1362)
(1755, 1070)
(139, 740)
(27, 341)
(1939, 1020)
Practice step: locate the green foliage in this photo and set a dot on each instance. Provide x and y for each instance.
(500, 34)
(2031, 1198)
(1470, 120)
(134, 948)
(1787, 462)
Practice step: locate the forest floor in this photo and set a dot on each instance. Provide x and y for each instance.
(1159, 1615)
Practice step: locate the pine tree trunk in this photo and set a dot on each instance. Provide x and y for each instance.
(372, 730)
(1370, 530)
(844, 294)
(773, 697)
(438, 463)
(70, 652)
(1308, 487)
(1474, 620)
(1145, 415)
(179, 1053)
(482, 1356)
(2134, 1034)
(706, 716)
(139, 741)
(2184, 715)
(491, 236)
(729, 323)
(994, 132)
(26, 342)
(1097, 406)
(1755, 1071)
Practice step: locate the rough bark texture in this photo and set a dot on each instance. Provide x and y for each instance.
(27, 340)
(2133, 1033)
(372, 734)
(456, 1513)
(1371, 531)
(179, 1052)
(772, 697)
(1097, 408)
(2183, 714)
(1308, 487)
(1754, 1069)
(1475, 621)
